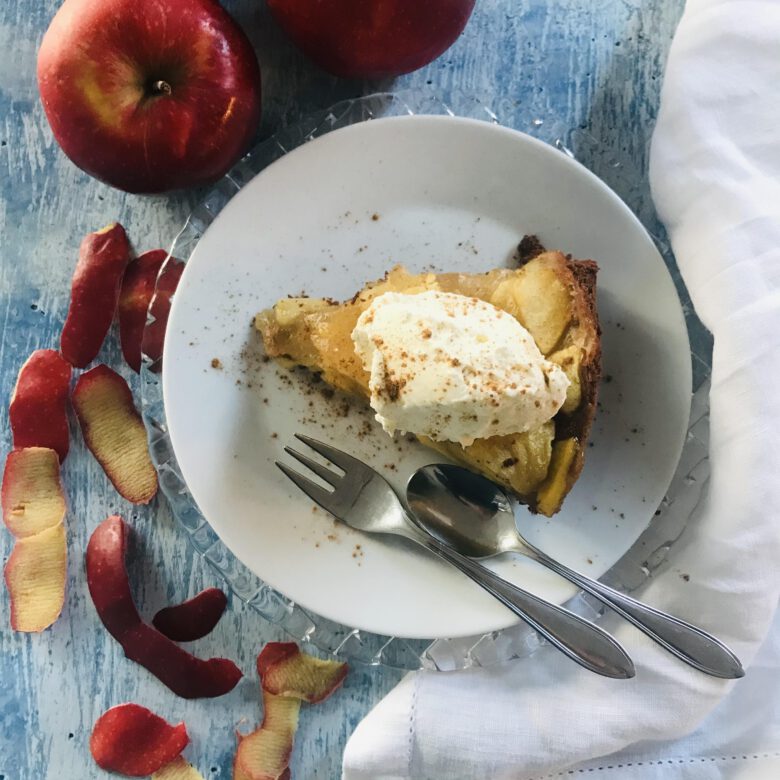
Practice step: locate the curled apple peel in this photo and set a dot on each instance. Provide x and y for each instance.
(39, 405)
(265, 753)
(186, 675)
(133, 741)
(114, 432)
(239, 774)
(192, 619)
(285, 671)
(178, 769)
(103, 257)
(147, 277)
(36, 575)
(287, 677)
(32, 495)
(154, 334)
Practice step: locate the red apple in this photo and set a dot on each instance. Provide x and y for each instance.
(147, 95)
(372, 38)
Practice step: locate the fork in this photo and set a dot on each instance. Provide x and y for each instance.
(365, 501)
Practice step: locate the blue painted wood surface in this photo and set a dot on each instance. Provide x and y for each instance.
(596, 66)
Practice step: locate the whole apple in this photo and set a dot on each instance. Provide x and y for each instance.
(148, 95)
(372, 38)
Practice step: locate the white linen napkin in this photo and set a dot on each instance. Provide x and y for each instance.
(715, 171)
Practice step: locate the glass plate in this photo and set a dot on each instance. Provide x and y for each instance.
(638, 563)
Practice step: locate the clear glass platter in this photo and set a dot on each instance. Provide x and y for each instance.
(639, 562)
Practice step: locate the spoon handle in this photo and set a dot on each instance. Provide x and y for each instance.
(582, 641)
(689, 643)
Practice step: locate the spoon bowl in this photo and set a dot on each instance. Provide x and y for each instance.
(474, 516)
(463, 509)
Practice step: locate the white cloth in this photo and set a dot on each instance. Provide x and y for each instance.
(715, 171)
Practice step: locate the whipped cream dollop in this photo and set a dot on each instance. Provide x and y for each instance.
(454, 368)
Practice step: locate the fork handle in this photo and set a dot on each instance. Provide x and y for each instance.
(689, 643)
(582, 641)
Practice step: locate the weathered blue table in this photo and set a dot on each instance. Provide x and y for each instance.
(595, 66)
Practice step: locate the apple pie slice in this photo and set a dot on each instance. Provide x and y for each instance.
(551, 295)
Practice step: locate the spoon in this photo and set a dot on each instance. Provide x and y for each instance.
(474, 516)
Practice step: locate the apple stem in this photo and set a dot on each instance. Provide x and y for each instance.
(161, 87)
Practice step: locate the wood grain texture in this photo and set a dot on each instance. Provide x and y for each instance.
(594, 66)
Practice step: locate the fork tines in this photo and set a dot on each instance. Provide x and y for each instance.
(327, 499)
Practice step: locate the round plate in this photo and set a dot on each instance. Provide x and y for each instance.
(430, 192)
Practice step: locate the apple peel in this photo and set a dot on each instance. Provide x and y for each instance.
(114, 432)
(153, 341)
(186, 675)
(133, 741)
(36, 575)
(103, 257)
(192, 619)
(287, 678)
(32, 495)
(285, 671)
(178, 769)
(239, 774)
(38, 413)
(149, 278)
(265, 753)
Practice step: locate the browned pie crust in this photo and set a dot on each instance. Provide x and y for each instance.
(583, 288)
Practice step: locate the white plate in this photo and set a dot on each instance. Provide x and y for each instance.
(431, 192)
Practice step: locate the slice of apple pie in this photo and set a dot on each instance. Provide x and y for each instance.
(498, 371)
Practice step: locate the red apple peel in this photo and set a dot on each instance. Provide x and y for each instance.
(285, 671)
(287, 677)
(39, 405)
(153, 340)
(133, 741)
(114, 432)
(265, 753)
(143, 279)
(103, 257)
(192, 619)
(239, 774)
(186, 675)
(36, 575)
(32, 495)
(178, 769)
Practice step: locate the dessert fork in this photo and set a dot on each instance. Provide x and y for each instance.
(364, 500)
